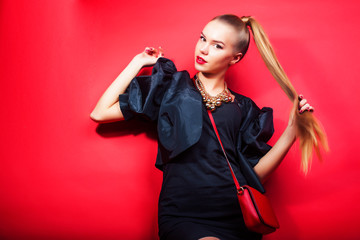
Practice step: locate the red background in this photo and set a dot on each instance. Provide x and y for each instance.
(64, 177)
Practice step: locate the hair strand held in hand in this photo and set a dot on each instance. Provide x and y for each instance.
(309, 131)
(311, 135)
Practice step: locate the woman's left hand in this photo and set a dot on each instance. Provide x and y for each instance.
(304, 105)
(269, 162)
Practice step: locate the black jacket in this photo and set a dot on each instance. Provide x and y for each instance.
(170, 99)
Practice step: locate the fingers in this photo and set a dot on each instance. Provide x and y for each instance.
(149, 50)
(154, 52)
(304, 105)
(161, 52)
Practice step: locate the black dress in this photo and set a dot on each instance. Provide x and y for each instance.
(198, 195)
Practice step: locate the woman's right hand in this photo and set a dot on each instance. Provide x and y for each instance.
(149, 56)
(107, 108)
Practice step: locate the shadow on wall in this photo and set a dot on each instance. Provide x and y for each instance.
(124, 128)
(135, 126)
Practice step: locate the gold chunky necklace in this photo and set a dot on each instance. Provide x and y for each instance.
(210, 101)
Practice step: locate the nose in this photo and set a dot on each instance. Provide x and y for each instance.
(204, 48)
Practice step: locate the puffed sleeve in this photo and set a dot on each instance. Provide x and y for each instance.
(256, 129)
(145, 93)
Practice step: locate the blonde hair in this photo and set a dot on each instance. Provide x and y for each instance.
(311, 135)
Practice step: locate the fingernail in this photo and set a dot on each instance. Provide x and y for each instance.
(300, 97)
(301, 111)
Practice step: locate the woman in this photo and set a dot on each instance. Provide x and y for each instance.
(198, 198)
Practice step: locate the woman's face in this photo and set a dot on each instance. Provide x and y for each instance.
(215, 50)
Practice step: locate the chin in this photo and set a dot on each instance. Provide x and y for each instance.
(204, 69)
(200, 68)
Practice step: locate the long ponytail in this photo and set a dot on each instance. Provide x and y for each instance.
(311, 135)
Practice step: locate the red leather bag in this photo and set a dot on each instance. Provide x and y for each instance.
(257, 212)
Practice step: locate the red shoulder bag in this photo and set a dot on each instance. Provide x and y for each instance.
(257, 212)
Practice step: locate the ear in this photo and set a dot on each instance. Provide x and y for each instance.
(236, 59)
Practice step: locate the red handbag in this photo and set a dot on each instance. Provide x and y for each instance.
(256, 209)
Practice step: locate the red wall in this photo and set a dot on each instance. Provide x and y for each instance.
(64, 177)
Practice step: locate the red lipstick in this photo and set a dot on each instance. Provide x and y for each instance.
(200, 60)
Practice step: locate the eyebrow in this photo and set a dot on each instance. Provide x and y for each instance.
(217, 41)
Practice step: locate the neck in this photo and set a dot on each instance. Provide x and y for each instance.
(213, 83)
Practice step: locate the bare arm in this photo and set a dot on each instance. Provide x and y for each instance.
(107, 108)
(270, 161)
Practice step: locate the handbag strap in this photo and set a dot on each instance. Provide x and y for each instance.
(238, 187)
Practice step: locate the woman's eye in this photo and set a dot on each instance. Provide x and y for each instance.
(202, 38)
(218, 46)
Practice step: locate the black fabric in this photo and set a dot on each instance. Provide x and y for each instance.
(194, 231)
(145, 93)
(197, 185)
(170, 99)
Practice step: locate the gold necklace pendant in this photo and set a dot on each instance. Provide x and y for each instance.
(211, 102)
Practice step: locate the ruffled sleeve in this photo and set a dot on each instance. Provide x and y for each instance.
(257, 128)
(144, 94)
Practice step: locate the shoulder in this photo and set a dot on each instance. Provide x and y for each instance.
(243, 101)
(240, 97)
(249, 108)
(167, 66)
